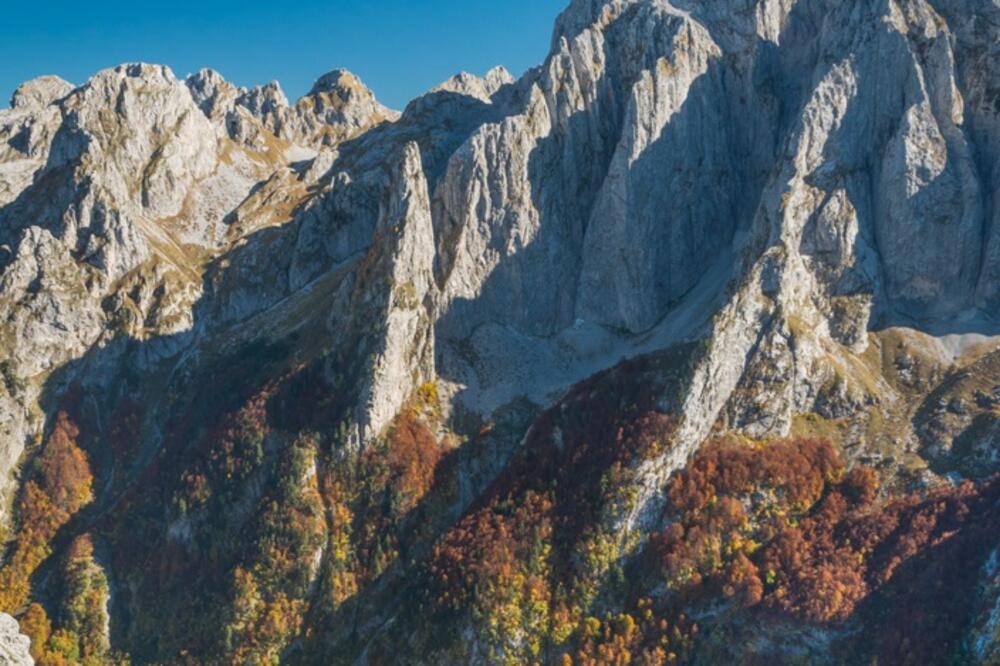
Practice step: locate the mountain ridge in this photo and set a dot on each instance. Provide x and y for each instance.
(787, 209)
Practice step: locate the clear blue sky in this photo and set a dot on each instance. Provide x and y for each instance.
(400, 48)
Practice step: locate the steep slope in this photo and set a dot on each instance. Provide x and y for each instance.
(286, 381)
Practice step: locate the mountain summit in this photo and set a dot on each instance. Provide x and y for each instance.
(684, 347)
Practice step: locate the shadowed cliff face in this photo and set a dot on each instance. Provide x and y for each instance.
(304, 349)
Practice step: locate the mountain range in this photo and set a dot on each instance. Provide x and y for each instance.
(683, 347)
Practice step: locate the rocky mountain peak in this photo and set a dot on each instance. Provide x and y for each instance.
(139, 126)
(482, 88)
(580, 15)
(211, 92)
(338, 106)
(265, 102)
(340, 81)
(40, 92)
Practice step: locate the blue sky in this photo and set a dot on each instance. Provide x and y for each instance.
(399, 48)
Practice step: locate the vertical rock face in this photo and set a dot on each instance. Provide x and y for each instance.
(403, 336)
(666, 233)
(801, 195)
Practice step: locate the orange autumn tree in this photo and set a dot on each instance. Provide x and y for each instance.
(783, 527)
(715, 531)
(57, 486)
(413, 456)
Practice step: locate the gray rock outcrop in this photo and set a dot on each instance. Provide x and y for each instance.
(13, 645)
